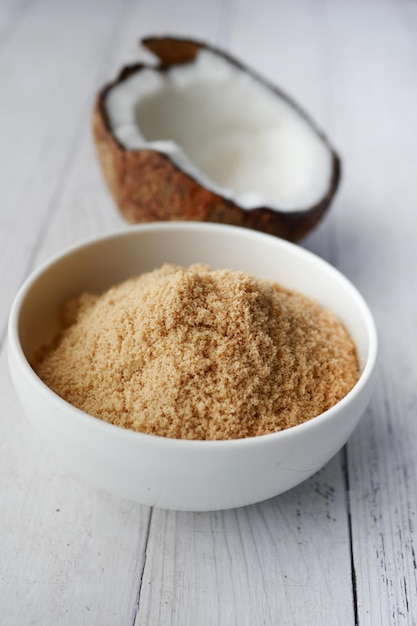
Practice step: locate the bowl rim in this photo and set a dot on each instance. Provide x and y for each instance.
(16, 351)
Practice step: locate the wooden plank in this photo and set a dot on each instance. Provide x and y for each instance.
(11, 15)
(277, 562)
(43, 98)
(69, 553)
(374, 56)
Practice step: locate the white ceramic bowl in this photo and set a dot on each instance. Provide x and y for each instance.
(169, 473)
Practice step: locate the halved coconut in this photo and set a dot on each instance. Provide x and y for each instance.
(201, 137)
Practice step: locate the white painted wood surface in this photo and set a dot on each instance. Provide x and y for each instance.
(339, 549)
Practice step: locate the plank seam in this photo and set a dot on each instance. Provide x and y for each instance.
(350, 531)
(142, 571)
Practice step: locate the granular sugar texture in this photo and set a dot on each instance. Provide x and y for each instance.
(194, 353)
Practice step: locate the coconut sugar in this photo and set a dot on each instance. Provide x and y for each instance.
(194, 353)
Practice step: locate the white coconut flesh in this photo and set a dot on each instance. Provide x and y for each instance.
(227, 130)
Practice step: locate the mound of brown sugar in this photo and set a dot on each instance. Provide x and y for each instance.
(193, 353)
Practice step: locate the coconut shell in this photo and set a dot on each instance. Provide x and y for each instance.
(147, 186)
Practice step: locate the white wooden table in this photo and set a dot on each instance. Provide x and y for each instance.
(341, 548)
